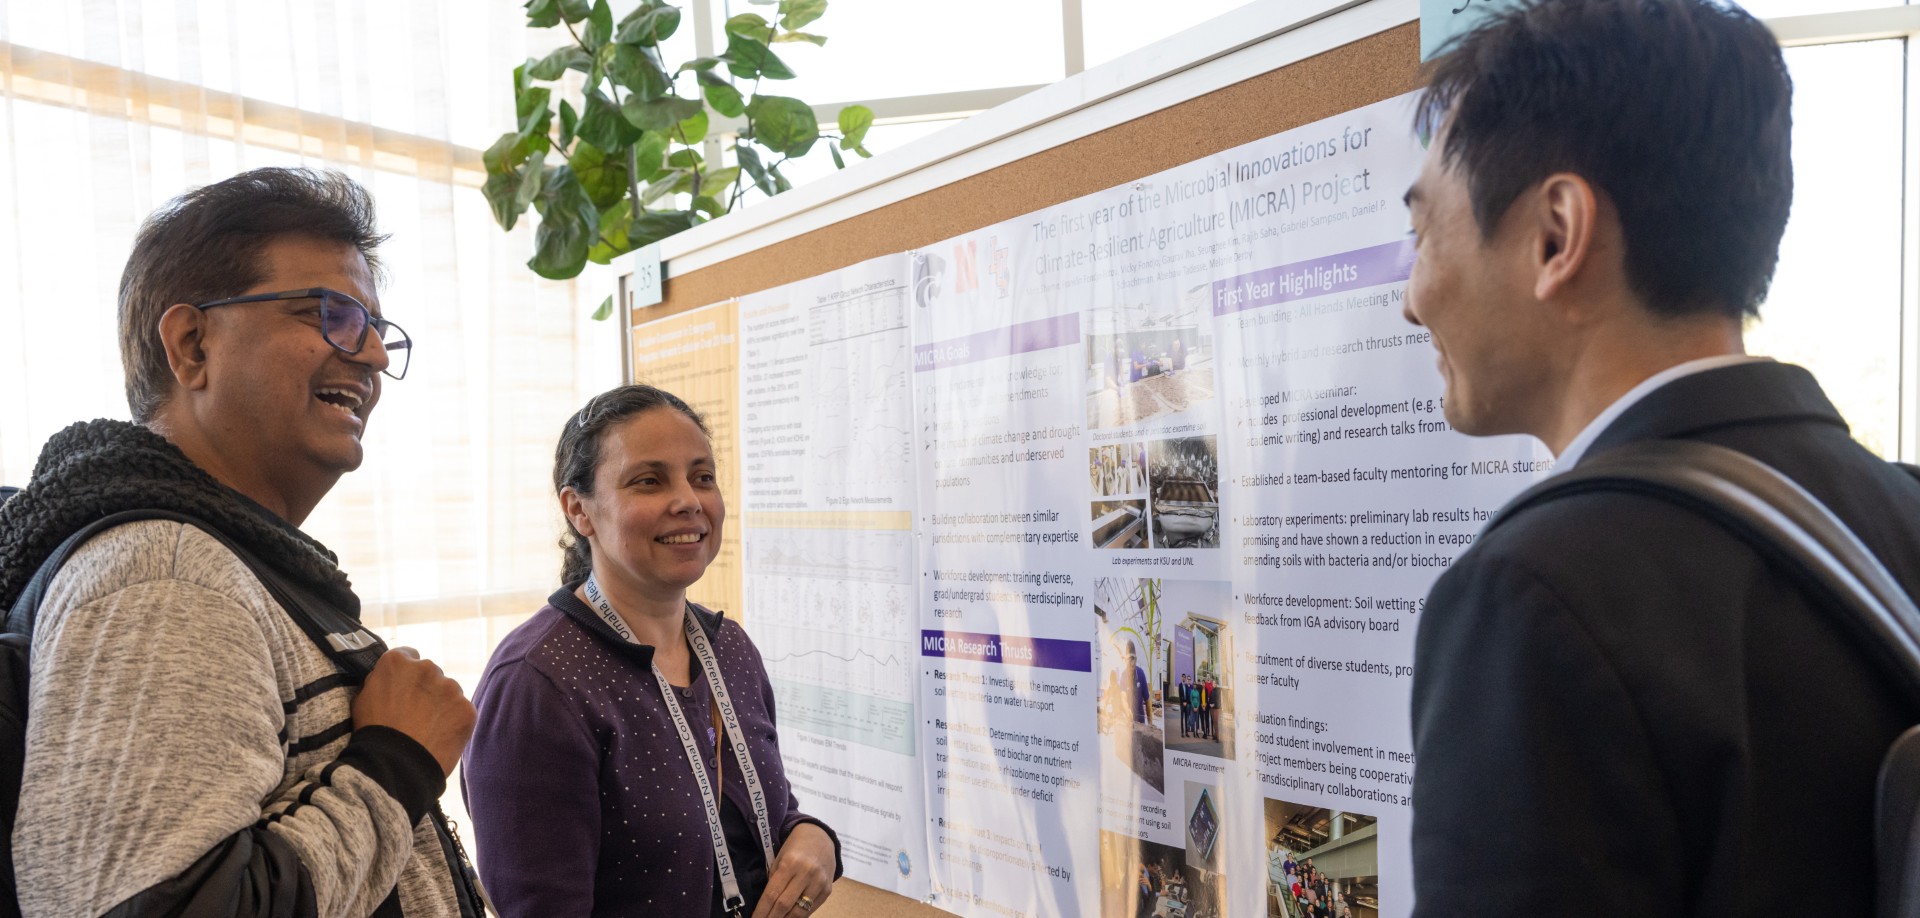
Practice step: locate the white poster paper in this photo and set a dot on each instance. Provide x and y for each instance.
(827, 454)
(1211, 369)
(1086, 550)
(1005, 644)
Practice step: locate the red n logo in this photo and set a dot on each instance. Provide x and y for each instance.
(966, 271)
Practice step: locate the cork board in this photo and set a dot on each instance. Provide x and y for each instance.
(1361, 73)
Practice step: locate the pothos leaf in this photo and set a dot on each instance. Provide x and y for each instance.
(747, 59)
(854, 120)
(660, 114)
(542, 14)
(783, 124)
(649, 24)
(649, 153)
(603, 177)
(599, 28)
(555, 64)
(722, 95)
(750, 161)
(603, 125)
(568, 224)
(797, 13)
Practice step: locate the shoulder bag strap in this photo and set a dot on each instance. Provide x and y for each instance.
(1774, 515)
(26, 607)
(1791, 527)
(337, 634)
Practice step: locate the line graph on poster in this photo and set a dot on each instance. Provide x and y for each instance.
(857, 389)
(845, 635)
(845, 674)
(855, 662)
(881, 723)
(875, 556)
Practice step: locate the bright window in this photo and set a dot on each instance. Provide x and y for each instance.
(1835, 303)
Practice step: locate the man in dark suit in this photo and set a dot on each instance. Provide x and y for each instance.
(1619, 708)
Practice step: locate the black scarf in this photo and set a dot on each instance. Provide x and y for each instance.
(96, 468)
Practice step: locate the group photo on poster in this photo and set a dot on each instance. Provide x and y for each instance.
(1345, 883)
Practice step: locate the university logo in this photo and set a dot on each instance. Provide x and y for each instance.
(966, 272)
(927, 269)
(1001, 267)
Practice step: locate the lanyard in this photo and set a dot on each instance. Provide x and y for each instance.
(710, 664)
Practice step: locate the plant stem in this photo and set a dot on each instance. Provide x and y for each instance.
(681, 130)
(739, 181)
(633, 181)
(559, 149)
(633, 164)
(739, 186)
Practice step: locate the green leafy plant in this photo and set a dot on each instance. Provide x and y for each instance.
(629, 169)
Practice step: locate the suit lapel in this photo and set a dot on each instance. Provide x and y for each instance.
(1750, 393)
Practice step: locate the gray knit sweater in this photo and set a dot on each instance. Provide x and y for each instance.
(174, 705)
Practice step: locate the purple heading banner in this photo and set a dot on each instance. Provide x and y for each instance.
(1368, 267)
(1045, 653)
(1037, 335)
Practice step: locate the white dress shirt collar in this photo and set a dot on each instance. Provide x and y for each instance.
(1571, 455)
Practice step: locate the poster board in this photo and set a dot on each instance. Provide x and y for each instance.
(1345, 78)
(1180, 484)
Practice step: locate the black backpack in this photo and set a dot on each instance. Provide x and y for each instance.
(1800, 535)
(341, 637)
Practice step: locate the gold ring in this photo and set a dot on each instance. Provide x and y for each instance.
(805, 903)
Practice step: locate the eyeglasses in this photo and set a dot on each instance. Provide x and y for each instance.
(343, 322)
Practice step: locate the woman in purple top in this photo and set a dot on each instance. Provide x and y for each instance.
(580, 775)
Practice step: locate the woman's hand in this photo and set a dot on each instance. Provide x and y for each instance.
(802, 875)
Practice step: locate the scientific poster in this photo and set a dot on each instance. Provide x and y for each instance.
(827, 470)
(1086, 550)
(1267, 489)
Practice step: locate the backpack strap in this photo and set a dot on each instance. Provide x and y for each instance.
(1791, 528)
(1776, 517)
(26, 607)
(337, 634)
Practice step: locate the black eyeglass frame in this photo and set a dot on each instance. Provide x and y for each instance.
(373, 322)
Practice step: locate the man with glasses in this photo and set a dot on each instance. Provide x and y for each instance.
(190, 749)
(344, 322)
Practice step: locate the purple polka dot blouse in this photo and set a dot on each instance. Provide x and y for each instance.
(581, 798)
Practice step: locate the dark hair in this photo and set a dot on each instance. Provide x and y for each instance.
(1678, 111)
(205, 245)
(577, 457)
